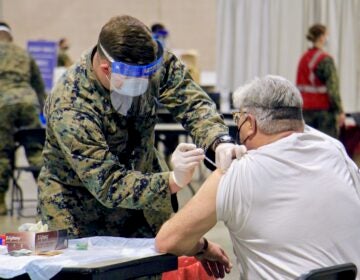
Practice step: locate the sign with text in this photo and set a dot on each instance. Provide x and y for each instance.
(45, 55)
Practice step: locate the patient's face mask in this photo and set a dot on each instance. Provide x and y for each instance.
(129, 81)
(237, 117)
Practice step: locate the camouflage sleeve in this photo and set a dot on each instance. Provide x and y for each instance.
(326, 72)
(83, 144)
(189, 104)
(37, 83)
(60, 60)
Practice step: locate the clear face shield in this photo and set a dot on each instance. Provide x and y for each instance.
(129, 81)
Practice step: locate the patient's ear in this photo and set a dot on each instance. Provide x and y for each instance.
(252, 126)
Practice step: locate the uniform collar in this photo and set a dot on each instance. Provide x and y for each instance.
(91, 73)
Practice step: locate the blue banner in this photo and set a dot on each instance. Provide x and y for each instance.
(45, 55)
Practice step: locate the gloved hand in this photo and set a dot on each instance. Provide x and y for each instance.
(226, 152)
(184, 160)
(39, 227)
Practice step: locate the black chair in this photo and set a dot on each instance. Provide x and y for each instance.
(345, 271)
(22, 138)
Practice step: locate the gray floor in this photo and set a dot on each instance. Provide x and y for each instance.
(218, 234)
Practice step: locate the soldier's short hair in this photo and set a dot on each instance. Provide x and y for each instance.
(5, 35)
(128, 40)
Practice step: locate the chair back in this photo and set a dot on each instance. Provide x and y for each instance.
(347, 271)
(32, 135)
(33, 140)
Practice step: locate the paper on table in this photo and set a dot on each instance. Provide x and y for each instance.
(100, 249)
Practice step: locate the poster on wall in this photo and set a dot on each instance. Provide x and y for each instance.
(45, 55)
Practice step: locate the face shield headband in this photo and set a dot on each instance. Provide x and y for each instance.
(128, 81)
(137, 71)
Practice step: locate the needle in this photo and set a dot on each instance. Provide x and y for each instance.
(212, 163)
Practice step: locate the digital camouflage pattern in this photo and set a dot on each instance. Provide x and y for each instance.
(21, 93)
(102, 174)
(63, 59)
(326, 121)
(18, 71)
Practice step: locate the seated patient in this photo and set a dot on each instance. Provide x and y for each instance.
(291, 203)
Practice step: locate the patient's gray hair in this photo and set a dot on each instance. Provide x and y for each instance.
(275, 103)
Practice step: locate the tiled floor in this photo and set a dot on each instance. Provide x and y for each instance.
(218, 234)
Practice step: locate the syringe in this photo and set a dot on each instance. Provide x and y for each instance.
(212, 163)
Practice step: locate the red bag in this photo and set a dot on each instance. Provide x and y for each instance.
(189, 268)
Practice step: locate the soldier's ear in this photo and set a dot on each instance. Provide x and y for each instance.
(105, 68)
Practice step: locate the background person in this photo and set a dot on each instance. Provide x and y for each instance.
(64, 59)
(160, 33)
(318, 83)
(275, 199)
(22, 97)
(102, 174)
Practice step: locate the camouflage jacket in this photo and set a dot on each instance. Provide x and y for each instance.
(89, 145)
(326, 72)
(63, 59)
(20, 78)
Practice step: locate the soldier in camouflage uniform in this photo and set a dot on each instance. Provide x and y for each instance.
(21, 98)
(102, 174)
(63, 59)
(320, 67)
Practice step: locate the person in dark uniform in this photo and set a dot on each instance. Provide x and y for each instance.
(64, 59)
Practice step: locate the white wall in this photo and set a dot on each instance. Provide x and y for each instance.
(191, 23)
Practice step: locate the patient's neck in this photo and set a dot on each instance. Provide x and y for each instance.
(261, 139)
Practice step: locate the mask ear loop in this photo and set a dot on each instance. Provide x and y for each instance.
(238, 141)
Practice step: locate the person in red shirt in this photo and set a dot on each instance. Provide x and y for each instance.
(318, 83)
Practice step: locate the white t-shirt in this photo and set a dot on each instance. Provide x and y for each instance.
(292, 206)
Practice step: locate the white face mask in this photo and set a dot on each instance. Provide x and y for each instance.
(122, 94)
(131, 86)
(121, 97)
(129, 81)
(121, 103)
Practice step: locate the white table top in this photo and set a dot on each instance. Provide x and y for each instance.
(101, 250)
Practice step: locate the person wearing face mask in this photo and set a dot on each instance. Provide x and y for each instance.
(160, 33)
(291, 204)
(102, 174)
(318, 83)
